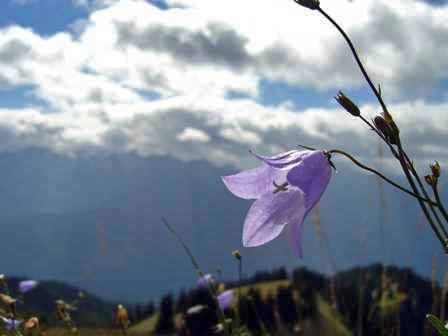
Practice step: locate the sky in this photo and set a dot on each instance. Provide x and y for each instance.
(209, 79)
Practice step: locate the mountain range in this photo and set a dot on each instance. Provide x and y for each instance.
(95, 222)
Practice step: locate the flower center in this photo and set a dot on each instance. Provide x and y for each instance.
(280, 187)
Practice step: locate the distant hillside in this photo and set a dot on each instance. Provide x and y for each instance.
(95, 222)
(91, 310)
(369, 300)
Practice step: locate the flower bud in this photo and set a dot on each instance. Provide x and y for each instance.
(311, 4)
(32, 323)
(347, 104)
(237, 255)
(7, 300)
(221, 287)
(385, 129)
(382, 126)
(3, 280)
(395, 131)
(431, 180)
(435, 169)
(121, 316)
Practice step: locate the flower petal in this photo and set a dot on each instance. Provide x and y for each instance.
(205, 280)
(27, 285)
(295, 229)
(253, 183)
(269, 214)
(311, 176)
(10, 323)
(225, 299)
(284, 161)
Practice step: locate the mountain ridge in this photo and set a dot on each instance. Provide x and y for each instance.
(114, 236)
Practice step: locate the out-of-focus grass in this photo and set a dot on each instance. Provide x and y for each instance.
(329, 322)
(265, 288)
(83, 332)
(146, 326)
(392, 303)
(331, 319)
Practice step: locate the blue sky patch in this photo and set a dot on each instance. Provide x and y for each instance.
(276, 93)
(45, 17)
(20, 97)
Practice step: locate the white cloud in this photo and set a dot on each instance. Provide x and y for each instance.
(218, 130)
(193, 134)
(96, 82)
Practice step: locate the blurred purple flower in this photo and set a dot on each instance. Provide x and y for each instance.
(27, 285)
(10, 323)
(205, 280)
(286, 187)
(225, 299)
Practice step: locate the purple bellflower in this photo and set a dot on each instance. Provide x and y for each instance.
(27, 285)
(205, 280)
(10, 323)
(286, 187)
(225, 299)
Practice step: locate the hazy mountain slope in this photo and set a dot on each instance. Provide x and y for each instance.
(96, 223)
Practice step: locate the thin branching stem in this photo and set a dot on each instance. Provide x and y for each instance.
(249, 298)
(402, 158)
(404, 165)
(439, 202)
(358, 60)
(359, 164)
(210, 287)
(392, 149)
(240, 277)
(425, 193)
(257, 315)
(185, 247)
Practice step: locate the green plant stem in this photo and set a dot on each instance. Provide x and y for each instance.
(404, 166)
(440, 232)
(392, 149)
(358, 60)
(240, 277)
(212, 291)
(257, 314)
(359, 164)
(439, 202)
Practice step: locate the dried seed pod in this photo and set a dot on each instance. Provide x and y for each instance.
(32, 323)
(122, 316)
(237, 255)
(311, 4)
(431, 180)
(7, 300)
(435, 169)
(348, 104)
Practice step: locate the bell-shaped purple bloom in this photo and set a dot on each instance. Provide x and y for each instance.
(27, 285)
(286, 187)
(205, 280)
(225, 299)
(10, 323)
